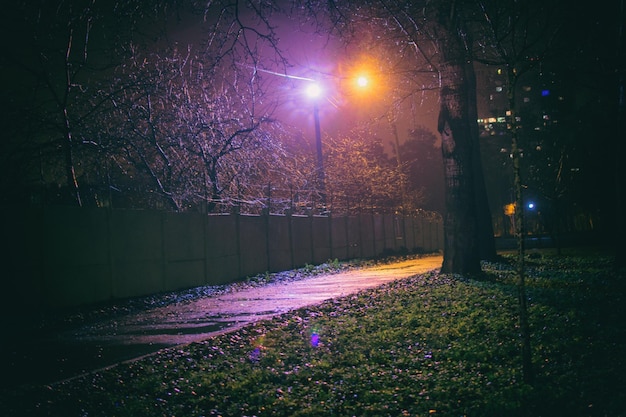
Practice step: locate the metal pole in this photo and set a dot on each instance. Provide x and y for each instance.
(320, 160)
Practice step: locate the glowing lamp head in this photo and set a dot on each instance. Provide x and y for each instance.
(314, 91)
(531, 205)
(362, 81)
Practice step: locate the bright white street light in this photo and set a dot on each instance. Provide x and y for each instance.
(314, 91)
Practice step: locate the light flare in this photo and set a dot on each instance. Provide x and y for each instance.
(314, 90)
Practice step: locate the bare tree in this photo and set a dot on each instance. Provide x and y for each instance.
(113, 103)
(518, 37)
(360, 175)
(57, 50)
(215, 112)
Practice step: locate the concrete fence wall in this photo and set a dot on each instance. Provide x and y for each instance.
(60, 256)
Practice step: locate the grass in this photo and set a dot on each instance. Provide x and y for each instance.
(433, 344)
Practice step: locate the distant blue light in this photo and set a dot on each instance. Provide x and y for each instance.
(545, 93)
(531, 205)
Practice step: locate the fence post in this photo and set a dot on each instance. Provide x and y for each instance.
(431, 238)
(292, 260)
(359, 237)
(164, 284)
(312, 237)
(205, 242)
(423, 231)
(267, 239)
(413, 232)
(238, 237)
(373, 222)
(329, 222)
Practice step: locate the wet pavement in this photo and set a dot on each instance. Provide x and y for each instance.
(48, 358)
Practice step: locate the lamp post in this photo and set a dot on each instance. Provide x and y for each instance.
(321, 177)
(314, 91)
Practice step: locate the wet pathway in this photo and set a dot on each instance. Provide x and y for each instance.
(89, 347)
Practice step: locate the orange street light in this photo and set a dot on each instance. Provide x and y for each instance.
(362, 81)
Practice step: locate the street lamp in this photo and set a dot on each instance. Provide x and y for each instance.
(315, 91)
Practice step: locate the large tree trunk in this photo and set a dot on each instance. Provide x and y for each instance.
(486, 241)
(458, 133)
(461, 253)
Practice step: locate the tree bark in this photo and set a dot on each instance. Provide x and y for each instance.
(486, 241)
(461, 253)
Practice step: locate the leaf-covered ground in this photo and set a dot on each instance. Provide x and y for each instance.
(432, 344)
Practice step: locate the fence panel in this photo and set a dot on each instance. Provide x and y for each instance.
(339, 235)
(137, 252)
(185, 251)
(279, 243)
(368, 239)
(355, 242)
(302, 243)
(252, 245)
(321, 239)
(60, 256)
(76, 256)
(222, 249)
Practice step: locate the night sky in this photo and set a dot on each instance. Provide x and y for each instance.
(584, 67)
